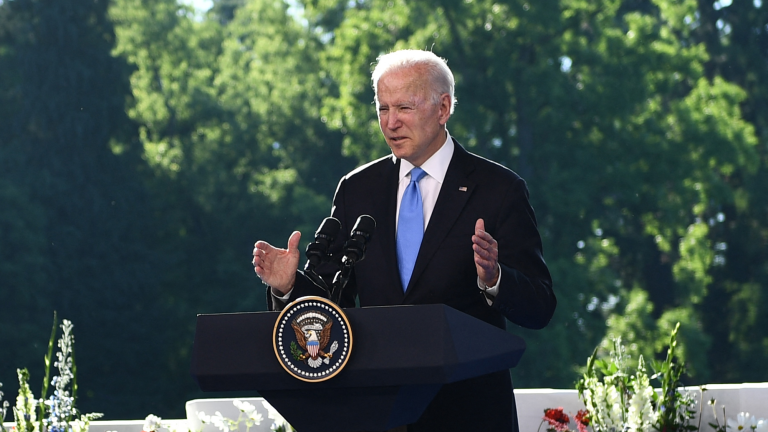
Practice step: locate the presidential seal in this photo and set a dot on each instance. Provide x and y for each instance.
(312, 339)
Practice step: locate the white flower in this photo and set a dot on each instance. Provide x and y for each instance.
(243, 406)
(640, 416)
(151, 423)
(761, 426)
(598, 406)
(79, 425)
(278, 419)
(249, 410)
(256, 417)
(740, 423)
(221, 422)
(216, 419)
(753, 423)
(615, 408)
(205, 418)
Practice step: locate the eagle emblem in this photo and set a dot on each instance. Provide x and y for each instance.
(312, 339)
(313, 332)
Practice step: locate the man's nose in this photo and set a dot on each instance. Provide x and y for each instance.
(393, 122)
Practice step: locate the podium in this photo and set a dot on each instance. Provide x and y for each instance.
(401, 356)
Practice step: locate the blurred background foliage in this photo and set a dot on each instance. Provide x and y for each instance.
(145, 145)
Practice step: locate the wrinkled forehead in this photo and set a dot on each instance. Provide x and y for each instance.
(402, 86)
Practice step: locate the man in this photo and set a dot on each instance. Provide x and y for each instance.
(475, 245)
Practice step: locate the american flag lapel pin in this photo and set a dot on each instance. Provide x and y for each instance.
(463, 188)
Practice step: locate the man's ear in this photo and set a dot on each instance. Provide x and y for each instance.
(445, 108)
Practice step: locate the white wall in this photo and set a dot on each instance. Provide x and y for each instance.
(736, 398)
(531, 403)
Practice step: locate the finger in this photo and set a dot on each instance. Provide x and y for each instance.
(481, 233)
(480, 242)
(293, 241)
(484, 235)
(262, 245)
(259, 253)
(488, 243)
(258, 264)
(490, 254)
(479, 225)
(482, 260)
(485, 269)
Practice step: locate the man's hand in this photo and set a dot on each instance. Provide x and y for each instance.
(277, 267)
(486, 255)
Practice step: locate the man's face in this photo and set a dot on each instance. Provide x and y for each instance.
(413, 126)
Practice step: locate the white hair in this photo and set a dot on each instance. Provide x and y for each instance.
(439, 75)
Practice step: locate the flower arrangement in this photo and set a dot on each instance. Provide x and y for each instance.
(248, 416)
(58, 412)
(620, 400)
(558, 420)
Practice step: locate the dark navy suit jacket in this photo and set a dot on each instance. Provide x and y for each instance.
(445, 272)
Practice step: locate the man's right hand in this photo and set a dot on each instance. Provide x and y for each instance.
(277, 267)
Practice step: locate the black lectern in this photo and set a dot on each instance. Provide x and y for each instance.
(401, 356)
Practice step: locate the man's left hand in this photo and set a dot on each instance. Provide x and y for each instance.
(486, 255)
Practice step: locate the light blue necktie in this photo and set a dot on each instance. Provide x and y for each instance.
(410, 227)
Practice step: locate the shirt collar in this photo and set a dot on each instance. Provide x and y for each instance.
(437, 165)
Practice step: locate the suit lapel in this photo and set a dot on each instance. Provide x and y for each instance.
(454, 194)
(385, 224)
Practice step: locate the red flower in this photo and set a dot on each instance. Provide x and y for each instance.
(582, 420)
(557, 419)
(582, 417)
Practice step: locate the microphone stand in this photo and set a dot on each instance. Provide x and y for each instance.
(354, 251)
(341, 279)
(314, 277)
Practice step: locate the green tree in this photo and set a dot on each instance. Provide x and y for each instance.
(626, 144)
(73, 231)
(230, 126)
(735, 38)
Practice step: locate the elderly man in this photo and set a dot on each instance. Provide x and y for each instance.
(452, 228)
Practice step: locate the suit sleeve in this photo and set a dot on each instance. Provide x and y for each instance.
(525, 293)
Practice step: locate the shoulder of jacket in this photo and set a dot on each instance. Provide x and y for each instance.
(487, 167)
(373, 168)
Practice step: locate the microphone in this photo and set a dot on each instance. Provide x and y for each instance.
(354, 251)
(317, 251)
(354, 248)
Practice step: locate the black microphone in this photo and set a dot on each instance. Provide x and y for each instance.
(354, 248)
(317, 251)
(354, 251)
